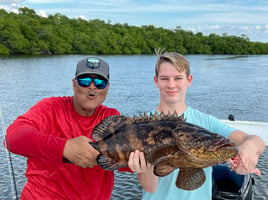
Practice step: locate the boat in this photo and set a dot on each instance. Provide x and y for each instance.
(227, 184)
(251, 127)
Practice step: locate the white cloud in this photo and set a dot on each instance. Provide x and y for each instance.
(11, 1)
(82, 17)
(42, 13)
(244, 28)
(234, 18)
(258, 27)
(49, 1)
(215, 27)
(111, 3)
(254, 33)
(11, 8)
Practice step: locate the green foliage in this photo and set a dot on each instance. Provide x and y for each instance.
(3, 50)
(28, 33)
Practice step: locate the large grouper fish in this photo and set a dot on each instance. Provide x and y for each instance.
(168, 143)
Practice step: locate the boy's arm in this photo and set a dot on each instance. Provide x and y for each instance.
(249, 148)
(146, 177)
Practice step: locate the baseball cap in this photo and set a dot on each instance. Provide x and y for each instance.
(92, 65)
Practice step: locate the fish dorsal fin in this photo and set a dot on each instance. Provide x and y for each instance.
(108, 126)
(156, 117)
(190, 178)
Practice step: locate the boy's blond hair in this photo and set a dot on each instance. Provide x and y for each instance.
(178, 60)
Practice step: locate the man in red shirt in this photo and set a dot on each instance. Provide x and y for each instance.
(58, 129)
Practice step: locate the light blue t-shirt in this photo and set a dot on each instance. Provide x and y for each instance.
(166, 189)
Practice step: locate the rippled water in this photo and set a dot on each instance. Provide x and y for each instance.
(261, 189)
(221, 85)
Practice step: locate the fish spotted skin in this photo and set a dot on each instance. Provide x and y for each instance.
(168, 143)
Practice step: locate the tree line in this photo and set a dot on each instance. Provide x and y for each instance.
(31, 34)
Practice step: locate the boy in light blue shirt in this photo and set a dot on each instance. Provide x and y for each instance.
(166, 188)
(172, 78)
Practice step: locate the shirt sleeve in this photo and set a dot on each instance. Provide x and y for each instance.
(125, 169)
(26, 136)
(208, 122)
(219, 127)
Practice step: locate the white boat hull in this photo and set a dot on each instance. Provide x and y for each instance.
(251, 127)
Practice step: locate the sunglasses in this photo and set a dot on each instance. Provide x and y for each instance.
(99, 83)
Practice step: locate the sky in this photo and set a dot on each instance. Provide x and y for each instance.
(231, 17)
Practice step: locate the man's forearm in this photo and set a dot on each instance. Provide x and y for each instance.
(29, 142)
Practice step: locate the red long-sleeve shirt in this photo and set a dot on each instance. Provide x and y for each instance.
(40, 135)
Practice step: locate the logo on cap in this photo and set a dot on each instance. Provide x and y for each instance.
(93, 63)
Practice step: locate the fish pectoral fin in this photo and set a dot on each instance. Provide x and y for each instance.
(164, 166)
(190, 178)
(108, 164)
(163, 170)
(161, 151)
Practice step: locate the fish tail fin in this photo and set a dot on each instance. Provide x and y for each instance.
(108, 164)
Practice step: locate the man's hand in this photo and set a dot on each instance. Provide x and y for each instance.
(78, 151)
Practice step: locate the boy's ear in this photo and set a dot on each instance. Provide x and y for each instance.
(190, 80)
(155, 81)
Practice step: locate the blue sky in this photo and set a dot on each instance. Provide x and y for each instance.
(234, 17)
